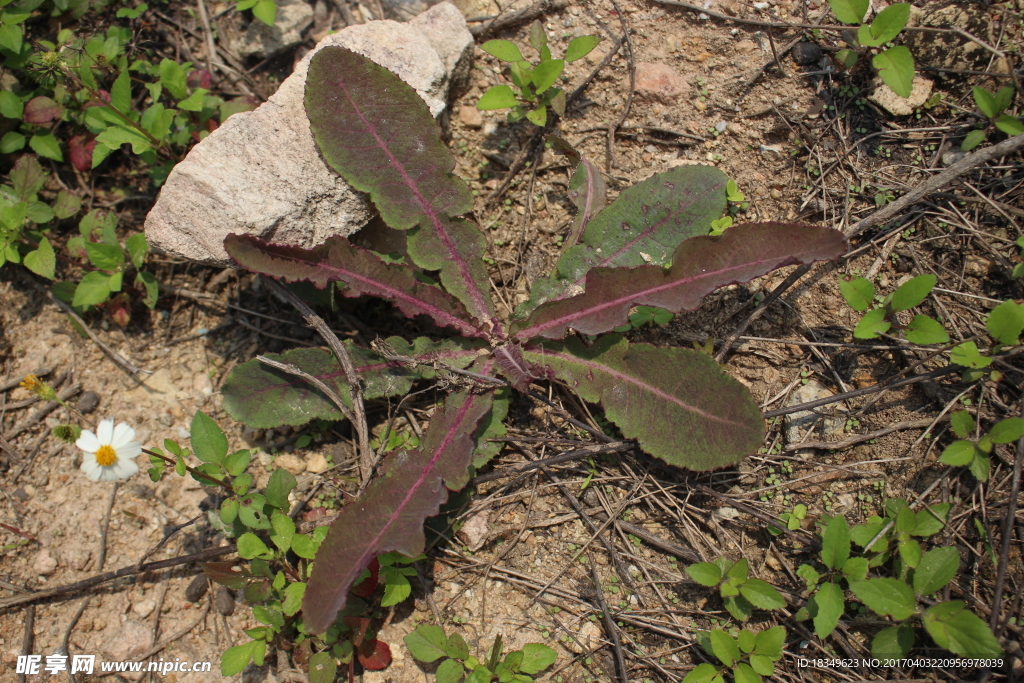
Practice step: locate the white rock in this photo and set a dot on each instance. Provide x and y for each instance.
(475, 532)
(884, 97)
(45, 564)
(293, 17)
(292, 463)
(317, 463)
(261, 174)
(143, 607)
(588, 638)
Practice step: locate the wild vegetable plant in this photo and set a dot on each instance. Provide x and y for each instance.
(740, 593)
(894, 64)
(976, 454)
(377, 133)
(992, 107)
(748, 655)
(428, 644)
(534, 81)
(915, 574)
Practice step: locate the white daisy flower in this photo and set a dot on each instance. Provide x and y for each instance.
(109, 453)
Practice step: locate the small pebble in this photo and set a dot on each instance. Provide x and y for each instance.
(197, 588)
(721, 126)
(806, 54)
(88, 402)
(699, 105)
(224, 601)
(776, 193)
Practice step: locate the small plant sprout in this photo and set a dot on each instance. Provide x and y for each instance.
(109, 453)
(975, 454)
(895, 65)
(740, 593)
(534, 81)
(992, 107)
(749, 655)
(922, 329)
(429, 644)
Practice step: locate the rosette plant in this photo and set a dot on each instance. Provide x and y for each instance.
(648, 247)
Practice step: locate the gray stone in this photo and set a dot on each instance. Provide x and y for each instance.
(132, 637)
(806, 54)
(475, 532)
(261, 174)
(259, 40)
(88, 402)
(797, 424)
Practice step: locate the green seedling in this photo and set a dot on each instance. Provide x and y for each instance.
(429, 643)
(895, 65)
(976, 454)
(646, 315)
(534, 81)
(791, 520)
(740, 593)
(747, 656)
(264, 10)
(860, 295)
(916, 574)
(992, 107)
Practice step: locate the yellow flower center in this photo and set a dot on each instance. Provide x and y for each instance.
(106, 456)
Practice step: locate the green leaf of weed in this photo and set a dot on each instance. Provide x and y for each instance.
(893, 642)
(705, 573)
(497, 97)
(546, 73)
(762, 594)
(926, 330)
(580, 47)
(104, 256)
(872, 324)
(450, 671)
(1006, 322)
(235, 659)
(278, 487)
(724, 646)
(849, 11)
(986, 102)
(536, 658)
(91, 290)
(1007, 431)
(937, 568)
(208, 440)
(743, 673)
(972, 140)
(46, 145)
(931, 519)
(896, 67)
(889, 22)
(858, 292)
(967, 355)
(1010, 125)
(427, 643)
(962, 423)
(960, 631)
(835, 543)
(42, 261)
(886, 597)
(505, 50)
(912, 292)
(770, 641)
(826, 606)
(250, 546)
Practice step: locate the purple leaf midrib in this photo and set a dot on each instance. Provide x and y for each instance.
(629, 245)
(528, 332)
(369, 548)
(397, 294)
(474, 292)
(600, 367)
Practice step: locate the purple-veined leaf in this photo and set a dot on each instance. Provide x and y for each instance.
(375, 131)
(700, 266)
(338, 260)
(509, 359)
(263, 397)
(643, 226)
(677, 403)
(389, 514)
